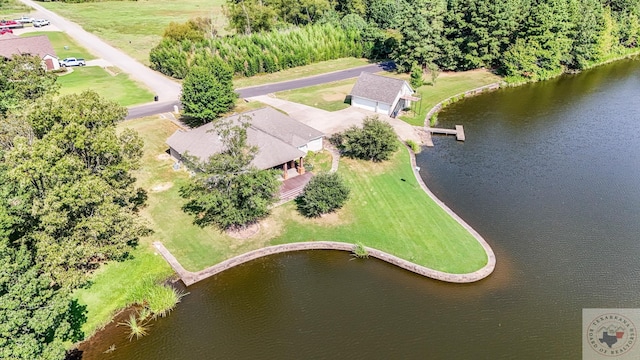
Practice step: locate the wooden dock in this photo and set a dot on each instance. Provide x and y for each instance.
(458, 132)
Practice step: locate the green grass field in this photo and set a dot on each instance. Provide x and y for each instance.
(388, 211)
(447, 84)
(136, 26)
(330, 96)
(63, 45)
(119, 88)
(12, 9)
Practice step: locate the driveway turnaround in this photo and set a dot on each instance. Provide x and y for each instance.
(163, 87)
(330, 122)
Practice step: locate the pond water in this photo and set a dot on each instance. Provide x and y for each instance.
(549, 175)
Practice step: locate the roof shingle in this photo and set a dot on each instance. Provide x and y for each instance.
(377, 87)
(276, 135)
(34, 45)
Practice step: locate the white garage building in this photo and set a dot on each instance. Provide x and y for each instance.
(381, 94)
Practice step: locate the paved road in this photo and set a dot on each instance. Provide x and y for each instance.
(312, 80)
(165, 88)
(155, 108)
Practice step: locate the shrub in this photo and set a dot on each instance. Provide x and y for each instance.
(326, 192)
(414, 146)
(360, 251)
(375, 141)
(416, 76)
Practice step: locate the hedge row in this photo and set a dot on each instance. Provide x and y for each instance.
(261, 52)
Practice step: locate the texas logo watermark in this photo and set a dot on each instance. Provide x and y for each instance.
(610, 333)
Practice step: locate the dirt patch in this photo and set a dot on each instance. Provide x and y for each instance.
(244, 232)
(164, 156)
(162, 187)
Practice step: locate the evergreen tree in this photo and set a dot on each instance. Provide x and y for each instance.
(421, 32)
(589, 24)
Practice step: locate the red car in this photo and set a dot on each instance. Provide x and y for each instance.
(6, 31)
(10, 24)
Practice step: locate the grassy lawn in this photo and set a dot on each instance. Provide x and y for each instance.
(119, 88)
(447, 84)
(384, 198)
(112, 286)
(60, 40)
(387, 210)
(136, 26)
(330, 96)
(12, 9)
(299, 72)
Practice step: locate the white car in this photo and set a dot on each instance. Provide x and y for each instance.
(25, 20)
(40, 22)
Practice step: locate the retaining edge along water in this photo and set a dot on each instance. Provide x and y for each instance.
(190, 278)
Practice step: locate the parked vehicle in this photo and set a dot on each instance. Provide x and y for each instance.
(6, 31)
(68, 62)
(10, 24)
(25, 20)
(40, 22)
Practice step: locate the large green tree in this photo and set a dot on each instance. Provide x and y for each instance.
(23, 80)
(227, 191)
(72, 185)
(422, 33)
(36, 318)
(207, 91)
(478, 32)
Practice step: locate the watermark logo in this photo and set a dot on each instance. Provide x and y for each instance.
(610, 333)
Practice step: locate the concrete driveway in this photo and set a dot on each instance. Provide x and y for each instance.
(331, 122)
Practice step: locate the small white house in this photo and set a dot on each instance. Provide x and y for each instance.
(381, 94)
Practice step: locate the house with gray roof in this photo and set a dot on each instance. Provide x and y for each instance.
(40, 46)
(282, 141)
(381, 94)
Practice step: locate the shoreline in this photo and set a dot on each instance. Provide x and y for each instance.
(189, 278)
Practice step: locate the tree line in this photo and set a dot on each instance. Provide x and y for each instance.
(68, 203)
(521, 39)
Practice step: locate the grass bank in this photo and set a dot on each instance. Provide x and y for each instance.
(447, 85)
(329, 97)
(116, 87)
(136, 26)
(12, 9)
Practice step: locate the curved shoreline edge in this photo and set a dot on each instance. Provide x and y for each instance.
(190, 278)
